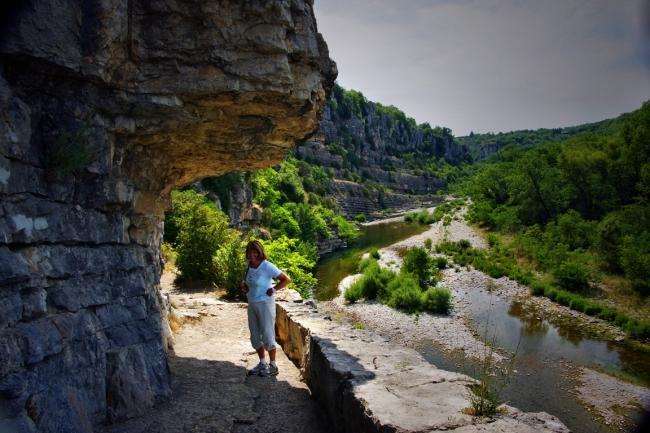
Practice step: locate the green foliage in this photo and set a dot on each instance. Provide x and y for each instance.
(229, 265)
(400, 291)
(635, 260)
(404, 293)
(571, 203)
(437, 300)
(374, 253)
(500, 262)
(296, 259)
(573, 275)
(420, 264)
(196, 229)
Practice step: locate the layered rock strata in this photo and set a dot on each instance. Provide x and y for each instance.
(366, 384)
(106, 106)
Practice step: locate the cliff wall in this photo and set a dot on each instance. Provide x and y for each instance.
(106, 106)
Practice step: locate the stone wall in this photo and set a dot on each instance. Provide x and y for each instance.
(106, 106)
(366, 384)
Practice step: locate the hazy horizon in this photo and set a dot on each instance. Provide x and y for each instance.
(494, 65)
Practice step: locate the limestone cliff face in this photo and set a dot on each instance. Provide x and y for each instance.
(106, 106)
(361, 138)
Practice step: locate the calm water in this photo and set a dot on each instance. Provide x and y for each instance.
(332, 268)
(546, 355)
(543, 378)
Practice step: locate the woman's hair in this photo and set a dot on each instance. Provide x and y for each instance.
(256, 245)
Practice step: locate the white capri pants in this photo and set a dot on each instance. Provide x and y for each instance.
(261, 323)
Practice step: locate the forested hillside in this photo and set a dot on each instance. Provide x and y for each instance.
(482, 146)
(573, 217)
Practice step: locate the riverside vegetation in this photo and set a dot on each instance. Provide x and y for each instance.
(568, 217)
(198, 237)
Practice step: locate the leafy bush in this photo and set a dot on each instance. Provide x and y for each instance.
(573, 275)
(198, 229)
(420, 264)
(353, 293)
(437, 300)
(635, 260)
(296, 259)
(168, 253)
(229, 265)
(404, 293)
(440, 262)
(374, 253)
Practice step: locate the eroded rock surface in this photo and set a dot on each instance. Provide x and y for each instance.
(367, 384)
(105, 107)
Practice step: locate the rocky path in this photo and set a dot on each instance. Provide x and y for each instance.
(211, 392)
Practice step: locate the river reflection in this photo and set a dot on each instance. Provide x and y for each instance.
(532, 325)
(515, 328)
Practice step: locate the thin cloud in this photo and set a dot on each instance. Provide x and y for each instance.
(493, 65)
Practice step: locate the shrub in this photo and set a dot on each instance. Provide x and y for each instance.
(607, 313)
(593, 309)
(563, 298)
(360, 218)
(550, 293)
(635, 260)
(296, 259)
(464, 244)
(200, 229)
(492, 240)
(345, 229)
(404, 293)
(572, 275)
(353, 293)
(229, 265)
(374, 253)
(578, 304)
(437, 300)
(537, 288)
(420, 264)
(428, 244)
(441, 262)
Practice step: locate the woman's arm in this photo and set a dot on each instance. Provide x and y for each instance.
(283, 282)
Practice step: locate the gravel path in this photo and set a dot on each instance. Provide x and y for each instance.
(211, 392)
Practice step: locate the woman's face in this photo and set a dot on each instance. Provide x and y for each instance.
(253, 256)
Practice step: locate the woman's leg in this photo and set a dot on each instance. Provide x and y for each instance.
(254, 326)
(267, 319)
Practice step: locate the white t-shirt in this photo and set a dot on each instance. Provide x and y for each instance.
(259, 280)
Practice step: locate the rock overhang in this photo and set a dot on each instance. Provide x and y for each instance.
(159, 93)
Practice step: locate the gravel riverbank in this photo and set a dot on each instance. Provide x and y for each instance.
(456, 333)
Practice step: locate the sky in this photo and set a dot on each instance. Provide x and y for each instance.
(493, 65)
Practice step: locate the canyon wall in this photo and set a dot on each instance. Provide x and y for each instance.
(106, 106)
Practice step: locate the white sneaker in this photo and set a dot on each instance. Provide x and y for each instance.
(269, 370)
(258, 369)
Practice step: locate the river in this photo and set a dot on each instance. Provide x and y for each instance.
(546, 358)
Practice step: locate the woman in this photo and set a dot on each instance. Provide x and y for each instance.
(259, 289)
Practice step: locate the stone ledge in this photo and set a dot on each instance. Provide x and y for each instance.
(367, 384)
